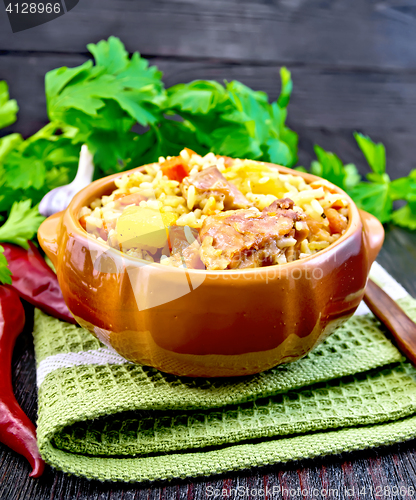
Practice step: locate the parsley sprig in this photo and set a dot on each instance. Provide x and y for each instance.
(8, 107)
(377, 193)
(21, 226)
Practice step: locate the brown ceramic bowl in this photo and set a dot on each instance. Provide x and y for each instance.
(208, 323)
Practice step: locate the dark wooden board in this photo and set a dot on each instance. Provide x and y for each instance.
(356, 33)
(369, 474)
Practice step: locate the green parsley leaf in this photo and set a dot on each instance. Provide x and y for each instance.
(199, 97)
(5, 274)
(287, 87)
(403, 188)
(214, 117)
(22, 224)
(113, 151)
(31, 168)
(235, 120)
(330, 167)
(101, 103)
(8, 107)
(279, 152)
(172, 135)
(374, 198)
(291, 139)
(8, 144)
(406, 216)
(24, 172)
(110, 55)
(234, 141)
(129, 82)
(352, 177)
(375, 154)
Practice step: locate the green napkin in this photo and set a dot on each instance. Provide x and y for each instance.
(104, 418)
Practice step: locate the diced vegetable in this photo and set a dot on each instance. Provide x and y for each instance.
(174, 169)
(141, 227)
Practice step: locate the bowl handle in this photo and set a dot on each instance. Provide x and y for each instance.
(373, 235)
(48, 236)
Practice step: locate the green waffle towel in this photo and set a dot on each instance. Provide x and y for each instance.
(104, 418)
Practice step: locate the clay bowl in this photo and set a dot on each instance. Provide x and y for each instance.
(208, 323)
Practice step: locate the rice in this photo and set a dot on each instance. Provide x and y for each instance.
(322, 213)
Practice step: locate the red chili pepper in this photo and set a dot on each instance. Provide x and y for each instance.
(16, 430)
(35, 281)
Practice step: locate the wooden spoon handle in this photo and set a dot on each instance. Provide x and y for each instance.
(394, 318)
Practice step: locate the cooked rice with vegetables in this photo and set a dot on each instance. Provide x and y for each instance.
(216, 213)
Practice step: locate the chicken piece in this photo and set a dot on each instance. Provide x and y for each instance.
(213, 183)
(185, 245)
(216, 259)
(282, 207)
(122, 200)
(247, 238)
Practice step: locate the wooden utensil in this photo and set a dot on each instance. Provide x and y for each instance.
(394, 318)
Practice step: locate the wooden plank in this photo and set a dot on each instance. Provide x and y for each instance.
(355, 34)
(25, 76)
(400, 242)
(326, 107)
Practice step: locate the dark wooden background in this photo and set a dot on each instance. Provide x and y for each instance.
(353, 64)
